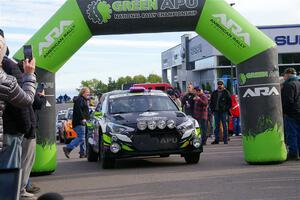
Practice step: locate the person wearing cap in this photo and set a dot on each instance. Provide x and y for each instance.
(188, 100)
(200, 112)
(220, 105)
(291, 111)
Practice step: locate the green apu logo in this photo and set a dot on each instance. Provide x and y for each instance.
(99, 11)
(244, 77)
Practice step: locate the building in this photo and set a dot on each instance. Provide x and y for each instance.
(195, 60)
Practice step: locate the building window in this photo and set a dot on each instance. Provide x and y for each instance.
(223, 61)
(289, 58)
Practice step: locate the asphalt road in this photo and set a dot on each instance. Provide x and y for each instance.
(221, 174)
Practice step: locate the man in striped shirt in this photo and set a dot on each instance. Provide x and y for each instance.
(200, 112)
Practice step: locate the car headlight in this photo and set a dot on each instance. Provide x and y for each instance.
(171, 124)
(152, 124)
(186, 126)
(118, 129)
(142, 125)
(161, 124)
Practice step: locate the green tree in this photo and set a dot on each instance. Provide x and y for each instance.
(112, 85)
(203, 86)
(208, 87)
(154, 78)
(94, 85)
(139, 79)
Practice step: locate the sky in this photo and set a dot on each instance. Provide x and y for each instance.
(120, 55)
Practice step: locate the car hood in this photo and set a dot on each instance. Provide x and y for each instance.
(130, 119)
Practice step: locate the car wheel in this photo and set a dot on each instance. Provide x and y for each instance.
(192, 158)
(61, 139)
(108, 163)
(92, 156)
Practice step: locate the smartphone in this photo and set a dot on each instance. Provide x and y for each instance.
(27, 49)
(40, 87)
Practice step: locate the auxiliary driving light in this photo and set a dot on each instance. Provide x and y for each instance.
(161, 124)
(196, 143)
(142, 125)
(171, 124)
(152, 125)
(115, 147)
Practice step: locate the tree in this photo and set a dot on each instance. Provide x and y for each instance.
(95, 86)
(139, 79)
(153, 78)
(208, 87)
(111, 84)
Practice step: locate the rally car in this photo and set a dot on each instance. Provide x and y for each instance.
(140, 122)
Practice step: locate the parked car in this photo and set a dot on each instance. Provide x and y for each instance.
(60, 119)
(68, 131)
(139, 122)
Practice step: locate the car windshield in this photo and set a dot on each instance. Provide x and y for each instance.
(141, 103)
(61, 116)
(70, 114)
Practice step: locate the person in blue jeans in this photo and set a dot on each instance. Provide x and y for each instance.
(220, 104)
(290, 94)
(80, 115)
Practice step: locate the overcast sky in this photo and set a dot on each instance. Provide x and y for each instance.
(120, 55)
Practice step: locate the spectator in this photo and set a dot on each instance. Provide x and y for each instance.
(26, 122)
(172, 95)
(188, 100)
(10, 92)
(200, 112)
(235, 114)
(220, 105)
(291, 112)
(80, 115)
(209, 116)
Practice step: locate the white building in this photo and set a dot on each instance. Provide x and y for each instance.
(195, 60)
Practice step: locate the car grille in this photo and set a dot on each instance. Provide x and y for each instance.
(156, 140)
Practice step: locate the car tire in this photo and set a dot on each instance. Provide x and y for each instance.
(192, 158)
(92, 156)
(61, 139)
(108, 163)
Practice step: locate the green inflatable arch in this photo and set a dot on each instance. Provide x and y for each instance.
(254, 54)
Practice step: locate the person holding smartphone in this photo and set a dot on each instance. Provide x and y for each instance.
(11, 93)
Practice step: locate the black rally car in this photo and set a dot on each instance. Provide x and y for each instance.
(139, 122)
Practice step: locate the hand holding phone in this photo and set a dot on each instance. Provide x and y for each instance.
(27, 50)
(29, 67)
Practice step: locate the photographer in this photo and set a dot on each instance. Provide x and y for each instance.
(12, 93)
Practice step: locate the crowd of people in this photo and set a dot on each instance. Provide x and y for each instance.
(218, 108)
(215, 111)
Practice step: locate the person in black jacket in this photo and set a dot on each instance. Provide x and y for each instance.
(220, 104)
(187, 101)
(80, 115)
(291, 112)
